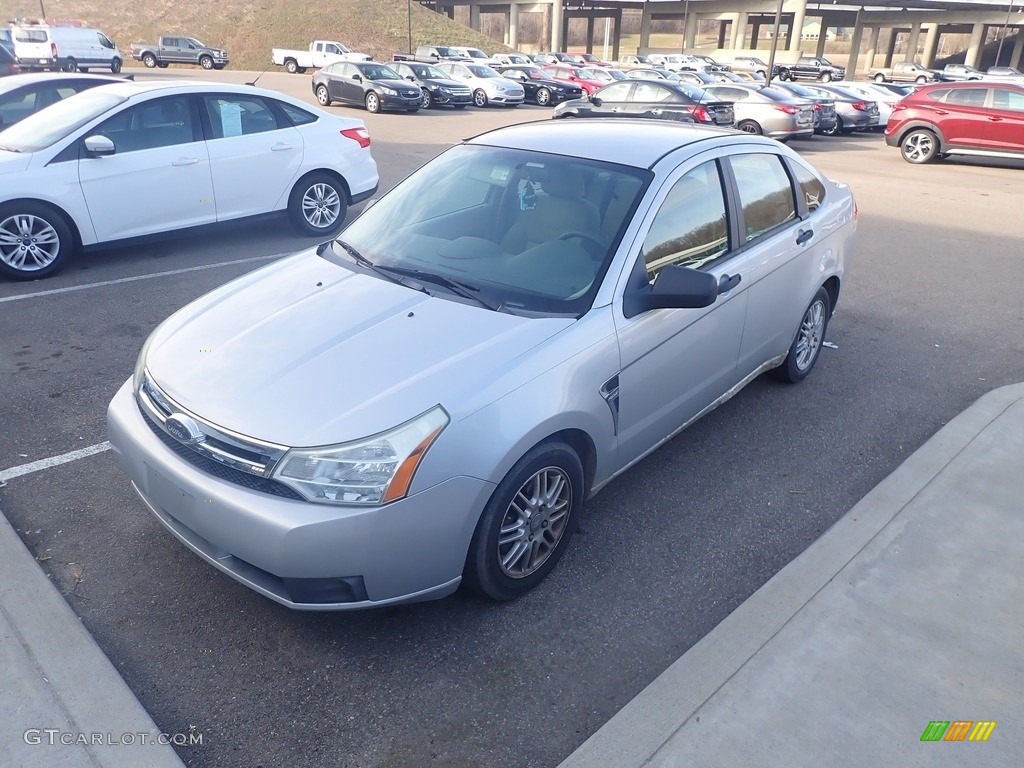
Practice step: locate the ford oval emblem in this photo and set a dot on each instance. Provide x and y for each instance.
(183, 429)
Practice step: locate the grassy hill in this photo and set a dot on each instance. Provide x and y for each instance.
(248, 29)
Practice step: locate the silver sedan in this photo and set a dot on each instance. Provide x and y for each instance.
(430, 399)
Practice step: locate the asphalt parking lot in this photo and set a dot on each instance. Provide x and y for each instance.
(930, 318)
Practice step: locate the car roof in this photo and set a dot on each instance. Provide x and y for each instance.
(639, 143)
(11, 82)
(129, 89)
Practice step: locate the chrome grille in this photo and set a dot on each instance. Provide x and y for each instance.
(221, 446)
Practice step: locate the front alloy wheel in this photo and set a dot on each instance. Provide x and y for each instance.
(479, 98)
(372, 102)
(543, 97)
(527, 524)
(919, 146)
(34, 242)
(323, 96)
(426, 100)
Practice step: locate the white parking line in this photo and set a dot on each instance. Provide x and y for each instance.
(53, 461)
(71, 288)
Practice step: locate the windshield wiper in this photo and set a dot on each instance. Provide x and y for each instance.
(362, 261)
(459, 288)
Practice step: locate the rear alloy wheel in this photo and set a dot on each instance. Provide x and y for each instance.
(749, 126)
(115, 66)
(543, 97)
(879, 78)
(318, 205)
(206, 62)
(804, 351)
(322, 96)
(70, 65)
(826, 77)
(426, 100)
(527, 524)
(149, 60)
(372, 102)
(35, 241)
(919, 146)
(479, 98)
(291, 67)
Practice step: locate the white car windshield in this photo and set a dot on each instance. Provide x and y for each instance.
(50, 125)
(476, 53)
(380, 72)
(523, 231)
(482, 71)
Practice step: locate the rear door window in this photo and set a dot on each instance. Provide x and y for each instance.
(765, 192)
(967, 97)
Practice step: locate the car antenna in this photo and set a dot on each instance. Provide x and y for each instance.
(261, 74)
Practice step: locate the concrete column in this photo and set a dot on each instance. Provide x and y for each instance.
(973, 58)
(891, 49)
(931, 44)
(822, 37)
(798, 25)
(474, 17)
(512, 27)
(616, 34)
(721, 33)
(858, 34)
(869, 57)
(1018, 49)
(912, 41)
(556, 25)
(645, 29)
(690, 31)
(739, 31)
(590, 34)
(755, 33)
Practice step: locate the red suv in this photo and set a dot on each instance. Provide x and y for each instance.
(972, 118)
(576, 75)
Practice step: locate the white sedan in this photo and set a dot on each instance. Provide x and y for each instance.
(134, 159)
(488, 86)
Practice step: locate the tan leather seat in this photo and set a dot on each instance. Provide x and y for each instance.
(560, 208)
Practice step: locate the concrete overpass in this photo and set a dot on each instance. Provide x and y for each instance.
(743, 23)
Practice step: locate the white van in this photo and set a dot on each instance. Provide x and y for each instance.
(67, 48)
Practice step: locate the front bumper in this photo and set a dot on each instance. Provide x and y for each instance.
(505, 98)
(400, 102)
(302, 555)
(452, 98)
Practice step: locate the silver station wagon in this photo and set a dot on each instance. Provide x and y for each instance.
(430, 398)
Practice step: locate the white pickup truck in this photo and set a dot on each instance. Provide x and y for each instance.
(320, 54)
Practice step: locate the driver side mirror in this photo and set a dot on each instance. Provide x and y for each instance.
(357, 78)
(675, 287)
(596, 101)
(410, 78)
(99, 146)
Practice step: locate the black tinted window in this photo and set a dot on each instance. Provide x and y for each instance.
(968, 97)
(295, 115)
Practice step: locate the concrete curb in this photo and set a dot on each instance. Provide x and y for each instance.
(54, 676)
(648, 722)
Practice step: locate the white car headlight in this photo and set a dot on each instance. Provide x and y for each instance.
(376, 470)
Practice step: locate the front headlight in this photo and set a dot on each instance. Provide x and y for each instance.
(444, 91)
(389, 91)
(376, 470)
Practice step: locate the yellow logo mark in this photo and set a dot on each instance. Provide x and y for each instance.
(982, 730)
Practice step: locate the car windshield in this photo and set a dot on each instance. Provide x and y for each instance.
(425, 70)
(483, 71)
(50, 125)
(586, 73)
(528, 232)
(692, 91)
(476, 53)
(604, 76)
(379, 72)
(776, 94)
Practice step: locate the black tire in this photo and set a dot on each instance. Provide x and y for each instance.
(749, 126)
(115, 66)
(485, 572)
(826, 77)
(879, 78)
(836, 129)
(206, 62)
(291, 66)
(921, 79)
(919, 146)
(318, 195)
(323, 96)
(50, 239)
(479, 98)
(426, 100)
(84, 69)
(302, 70)
(806, 346)
(372, 102)
(70, 65)
(543, 97)
(149, 60)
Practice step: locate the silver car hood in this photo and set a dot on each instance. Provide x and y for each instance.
(306, 353)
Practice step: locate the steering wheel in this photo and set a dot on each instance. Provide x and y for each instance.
(599, 245)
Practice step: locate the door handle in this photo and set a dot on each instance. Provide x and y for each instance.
(185, 161)
(281, 147)
(941, 112)
(995, 119)
(804, 236)
(728, 282)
